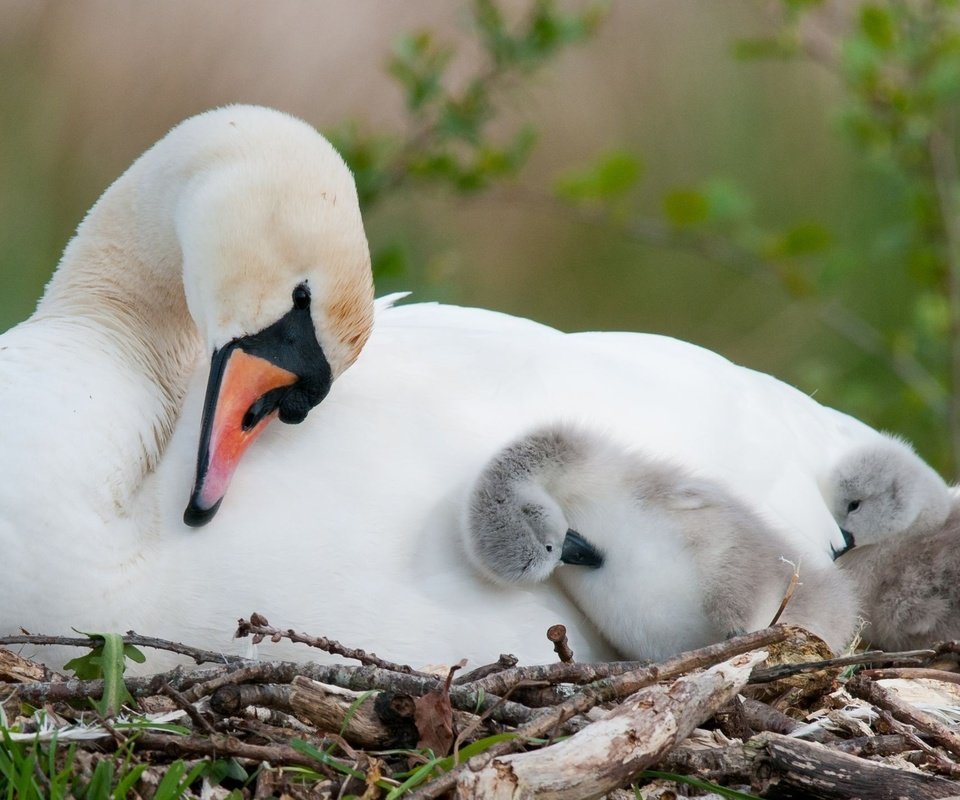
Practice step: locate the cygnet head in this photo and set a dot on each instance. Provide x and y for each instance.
(885, 489)
(276, 271)
(515, 531)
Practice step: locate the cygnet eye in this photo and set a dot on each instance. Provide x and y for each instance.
(549, 548)
(301, 297)
(853, 506)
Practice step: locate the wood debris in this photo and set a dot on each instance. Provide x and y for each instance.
(769, 714)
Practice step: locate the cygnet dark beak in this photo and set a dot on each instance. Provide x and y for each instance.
(577, 550)
(849, 543)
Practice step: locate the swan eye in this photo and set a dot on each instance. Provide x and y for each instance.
(301, 297)
(853, 506)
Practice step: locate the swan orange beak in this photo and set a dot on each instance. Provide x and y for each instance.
(242, 397)
(280, 371)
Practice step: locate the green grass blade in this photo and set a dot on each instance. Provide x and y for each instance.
(100, 781)
(128, 781)
(689, 780)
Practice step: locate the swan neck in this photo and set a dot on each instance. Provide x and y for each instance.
(120, 283)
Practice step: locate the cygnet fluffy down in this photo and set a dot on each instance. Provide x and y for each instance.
(883, 489)
(906, 565)
(660, 560)
(909, 586)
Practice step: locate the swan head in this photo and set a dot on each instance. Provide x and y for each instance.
(276, 273)
(886, 489)
(515, 530)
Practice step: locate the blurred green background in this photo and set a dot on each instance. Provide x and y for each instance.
(751, 220)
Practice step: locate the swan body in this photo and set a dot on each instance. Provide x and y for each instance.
(659, 559)
(224, 282)
(884, 488)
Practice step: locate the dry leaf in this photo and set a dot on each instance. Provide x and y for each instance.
(433, 716)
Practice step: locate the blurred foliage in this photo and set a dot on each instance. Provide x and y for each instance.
(898, 63)
(899, 66)
(449, 140)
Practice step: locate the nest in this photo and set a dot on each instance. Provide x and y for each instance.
(767, 714)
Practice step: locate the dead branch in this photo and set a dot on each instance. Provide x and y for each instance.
(781, 766)
(506, 661)
(184, 704)
(574, 672)
(775, 673)
(232, 698)
(911, 673)
(260, 629)
(866, 689)
(130, 637)
(558, 635)
(615, 687)
(929, 755)
(889, 744)
(220, 746)
(614, 750)
(16, 669)
(787, 595)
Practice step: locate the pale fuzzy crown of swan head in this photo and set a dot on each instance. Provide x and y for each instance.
(266, 204)
(885, 489)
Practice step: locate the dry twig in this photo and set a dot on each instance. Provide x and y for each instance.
(260, 629)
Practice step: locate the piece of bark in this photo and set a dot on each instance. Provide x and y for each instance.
(327, 708)
(778, 766)
(890, 744)
(612, 751)
(17, 669)
(798, 683)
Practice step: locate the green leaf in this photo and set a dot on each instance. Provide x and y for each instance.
(803, 239)
(222, 768)
(134, 653)
(612, 176)
(727, 202)
(106, 661)
(765, 47)
(686, 207)
(417, 64)
(877, 25)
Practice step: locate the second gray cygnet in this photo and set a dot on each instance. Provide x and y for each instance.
(660, 560)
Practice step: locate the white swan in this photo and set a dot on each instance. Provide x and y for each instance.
(883, 489)
(193, 270)
(664, 560)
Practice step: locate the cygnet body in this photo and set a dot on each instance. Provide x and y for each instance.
(909, 586)
(906, 524)
(884, 488)
(661, 560)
